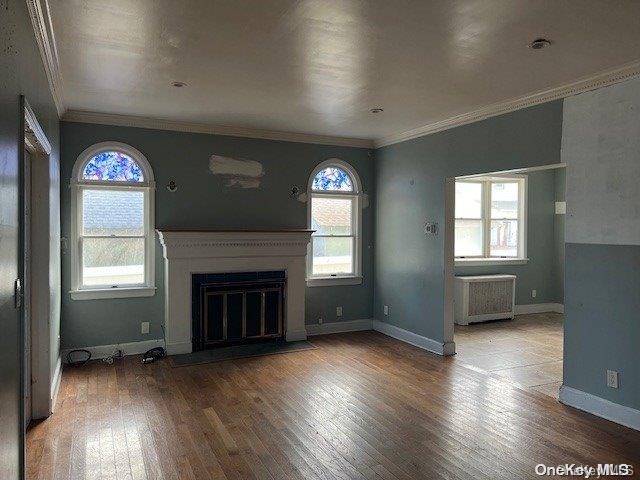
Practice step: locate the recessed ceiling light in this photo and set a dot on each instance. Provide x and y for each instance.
(178, 84)
(377, 110)
(539, 43)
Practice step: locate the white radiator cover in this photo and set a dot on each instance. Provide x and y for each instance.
(484, 297)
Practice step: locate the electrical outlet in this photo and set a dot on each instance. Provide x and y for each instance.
(338, 311)
(534, 293)
(385, 310)
(144, 327)
(612, 379)
(320, 321)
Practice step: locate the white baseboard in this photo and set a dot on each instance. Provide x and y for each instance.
(55, 384)
(448, 348)
(539, 308)
(133, 348)
(296, 335)
(339, 327)
(179, 348)
(627, 416)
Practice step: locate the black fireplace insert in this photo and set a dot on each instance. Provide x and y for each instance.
(236, 308)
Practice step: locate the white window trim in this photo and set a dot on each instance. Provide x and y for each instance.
(148, 187)
(523, 207)
(356, 195)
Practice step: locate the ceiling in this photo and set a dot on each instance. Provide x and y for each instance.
(319, 66)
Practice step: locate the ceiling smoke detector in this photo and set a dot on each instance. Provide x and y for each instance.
(377, 110)
(539, 43)
(178, 84)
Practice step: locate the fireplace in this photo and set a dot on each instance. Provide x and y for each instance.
(216, 258)
(237, 308)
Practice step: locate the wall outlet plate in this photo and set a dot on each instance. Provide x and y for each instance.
(612, 379)
(534, 293)
(144, 327)
(385, 309)
(338, 311)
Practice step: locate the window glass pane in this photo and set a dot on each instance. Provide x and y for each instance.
(331, 216)
(332, 179)
(332, 256)
(468, 200)
(504, 200)
(112, 212)
(504, 238)
(468, 238)
(112, 261)
(113, 167)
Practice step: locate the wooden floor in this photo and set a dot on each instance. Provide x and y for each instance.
(361, 405)
(526, 351)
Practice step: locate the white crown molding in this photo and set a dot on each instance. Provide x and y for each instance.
(598, 80)
(45, 38)
(227, 130)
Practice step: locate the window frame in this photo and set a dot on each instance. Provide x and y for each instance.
(485, 217)
(355, 196)
(78, 185)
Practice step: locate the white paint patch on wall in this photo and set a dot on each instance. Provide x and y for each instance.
(237, 171)
(601, 147)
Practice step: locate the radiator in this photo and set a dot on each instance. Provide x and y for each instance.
(484, 297)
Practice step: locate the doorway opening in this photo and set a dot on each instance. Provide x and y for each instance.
(35, 275)
(505, 274)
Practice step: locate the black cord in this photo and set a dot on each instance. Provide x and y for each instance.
(153, 355)
(79, 362)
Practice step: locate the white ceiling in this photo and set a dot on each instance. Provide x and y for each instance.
(318, 66)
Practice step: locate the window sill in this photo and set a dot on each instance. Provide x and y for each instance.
(331, 281)
(97, 294)
(476, 262)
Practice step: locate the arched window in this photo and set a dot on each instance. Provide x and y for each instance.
(334, 213)
(112, 244)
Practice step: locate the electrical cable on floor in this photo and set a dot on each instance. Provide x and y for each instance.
(156, 352)
(78, 362)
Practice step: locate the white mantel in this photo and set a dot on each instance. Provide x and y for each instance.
(217, 251)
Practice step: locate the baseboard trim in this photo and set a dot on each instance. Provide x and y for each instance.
(539, 308)
(627, 416)
(296, 335)
(339, 327)
(133, 348)
(433, 346)
(55, 384)
(179, 348)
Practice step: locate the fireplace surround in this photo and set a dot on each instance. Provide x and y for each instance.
(191, 252)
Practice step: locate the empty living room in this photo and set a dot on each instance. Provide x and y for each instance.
(319, 239)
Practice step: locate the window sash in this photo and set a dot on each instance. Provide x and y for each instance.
(353, 257)
(80, 236)
(487, 218)
(355, 233)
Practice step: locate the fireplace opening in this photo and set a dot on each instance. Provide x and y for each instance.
(237, 308)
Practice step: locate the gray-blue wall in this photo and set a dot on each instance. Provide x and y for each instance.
(410, 179)
(540, 272)
(601, 147)
(203, 201)
(21, 73)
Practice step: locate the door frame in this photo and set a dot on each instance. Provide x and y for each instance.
(36, 143)
(449, 251)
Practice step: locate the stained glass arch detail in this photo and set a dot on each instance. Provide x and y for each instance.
(113, 166)
(334, 176)
(112, 162)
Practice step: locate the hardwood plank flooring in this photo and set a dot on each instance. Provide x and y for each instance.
(360, 406)
(526, 351)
